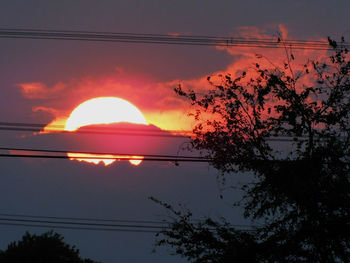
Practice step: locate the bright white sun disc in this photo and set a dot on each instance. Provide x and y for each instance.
(103, 110)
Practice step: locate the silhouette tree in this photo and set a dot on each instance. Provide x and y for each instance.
(48, 247)
(301, 189)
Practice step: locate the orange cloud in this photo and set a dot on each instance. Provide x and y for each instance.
(174, 34)
(49, 110)
(153, 99)
(38, 90)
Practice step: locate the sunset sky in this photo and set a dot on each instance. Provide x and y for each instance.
(43, 81)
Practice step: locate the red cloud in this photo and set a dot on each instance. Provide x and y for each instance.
(38, 90)
(158, 102)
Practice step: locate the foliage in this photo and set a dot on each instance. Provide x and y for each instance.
(207, 241)
(48, 247)
(301, 189)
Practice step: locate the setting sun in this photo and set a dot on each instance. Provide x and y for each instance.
(104, 110)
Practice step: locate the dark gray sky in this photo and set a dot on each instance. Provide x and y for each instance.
(148, 73)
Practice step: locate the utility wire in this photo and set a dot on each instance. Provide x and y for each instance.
(92, 228)
(79, 228)
(150, 134)
(100, 219)
(156, 35)
(121, 131)
(58, 127)
(176, 134)
(140, 158)
(100, 153)
(82, 219)
(175, 160)
(138, 134)
(61, 222)
(81, 223)
(162, 39)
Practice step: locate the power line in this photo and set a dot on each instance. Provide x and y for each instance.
(140, 158)
(57, 127)
(120, 131)
(51, 226)
(162, 39)
(175, 160)
(100, 153)
(73, 223)
(150, 134)
(155, 35)
(64, 223)
(83, 219)
(89, 219)
(79, 228)
(132, 133)
(176, 134)
(82, 223)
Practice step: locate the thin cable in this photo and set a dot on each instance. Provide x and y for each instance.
(101, 219)
(94, 229)
(88, 226)
(172, 43)
(139, 134)
(133, 132)
(156, 35)
(175, 160)
(80, 228)
(83, 219)
(96, 132)
(100, 153)
(62, 127)
(162, 39)
(82, 223)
